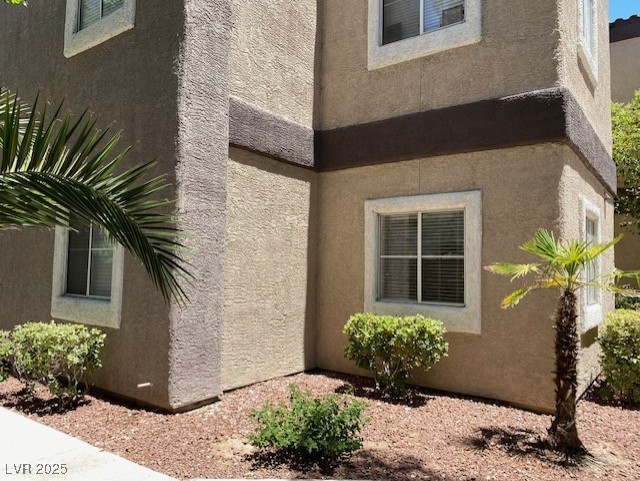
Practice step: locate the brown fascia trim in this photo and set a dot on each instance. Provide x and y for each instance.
(624, 29)
(551, 115)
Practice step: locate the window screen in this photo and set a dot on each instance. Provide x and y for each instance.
(591, 268)
(407, 18)
(90, 11)
(421, 257)
(89, 262)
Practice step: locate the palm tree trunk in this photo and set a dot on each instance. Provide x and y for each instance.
(564, 430)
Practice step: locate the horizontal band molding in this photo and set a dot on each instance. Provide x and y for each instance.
(550, 115)
(261, 131)
(624, 29)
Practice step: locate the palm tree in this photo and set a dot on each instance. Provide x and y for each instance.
(55, 172)
(562, 268)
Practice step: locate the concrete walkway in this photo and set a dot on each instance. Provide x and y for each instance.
(32, 451)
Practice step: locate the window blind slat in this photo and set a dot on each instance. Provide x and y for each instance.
(101, 262)
(399, 279)
(443, 280)
(443, 233)
(110, 6)
(441, 13)
(89, 13)
(591, 267)
(399, 235)
(401, 19)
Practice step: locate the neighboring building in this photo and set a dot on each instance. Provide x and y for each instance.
(624, 36)
(328, 157)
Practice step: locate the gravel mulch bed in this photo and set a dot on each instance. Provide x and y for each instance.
(432, 436)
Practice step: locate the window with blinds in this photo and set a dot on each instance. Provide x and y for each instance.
(421, 257)
(89, 263)
(90, 11)
(408, 18)
(592, 267)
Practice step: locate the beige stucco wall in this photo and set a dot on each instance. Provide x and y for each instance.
(625, 69)
(576, 185)
(512, 358)
(273, 56)
(516, 54)
(593, 97)
(270, 274)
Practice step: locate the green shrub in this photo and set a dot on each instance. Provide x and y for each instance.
(625, 302)
(620, 342)
(391, 347)
(58, 355)
(5, 353)
(325, 427)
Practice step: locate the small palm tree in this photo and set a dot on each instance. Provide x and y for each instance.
(562, 268)
(55, 172)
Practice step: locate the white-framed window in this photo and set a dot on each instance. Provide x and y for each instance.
(423, 256)
(588, 38)
(400, 30)
(87, 277)
(91, 22)
(591, 296)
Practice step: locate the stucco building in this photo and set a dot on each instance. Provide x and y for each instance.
(328, 157)
(625, 81)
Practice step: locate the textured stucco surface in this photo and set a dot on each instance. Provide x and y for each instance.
(594, 99)
(625, 69)
(516, 54)
(577, 184)
(202, 149)
(273, 56)
(270, 274)
(512, 359)
(112, 79)
(628, 249)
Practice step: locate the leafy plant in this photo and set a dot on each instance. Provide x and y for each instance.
(625, 302)
(52, 169)
(325, 427)
(390, 347)
(58, 355)
(625, 119)
(620, 343)
(5, 353)
(562, 268)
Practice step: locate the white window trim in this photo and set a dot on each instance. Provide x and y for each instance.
(588, 59)
(108, 27)
(465, 318)
(592, 315)
(452, 36)
(85, 310)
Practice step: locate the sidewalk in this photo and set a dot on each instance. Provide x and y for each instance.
(32, 451)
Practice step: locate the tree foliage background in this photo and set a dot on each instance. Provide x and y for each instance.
(626, 154)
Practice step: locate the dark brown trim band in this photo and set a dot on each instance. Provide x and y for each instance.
(624, 29)
(551, 115)
(275, 136)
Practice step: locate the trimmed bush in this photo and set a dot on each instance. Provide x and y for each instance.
(58, 355)
(390, 347)
(324, 427)
(5, 353)
(620, 342)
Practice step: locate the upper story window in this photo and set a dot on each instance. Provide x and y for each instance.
(400, 30)
(93, 10)
(423, 256)
(407, 18)
(91, 22)
(592, 267)
(588, 38)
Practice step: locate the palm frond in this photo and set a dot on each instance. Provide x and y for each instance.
(544, 245)
(516, 271)
(515, 297)
(53, 170)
